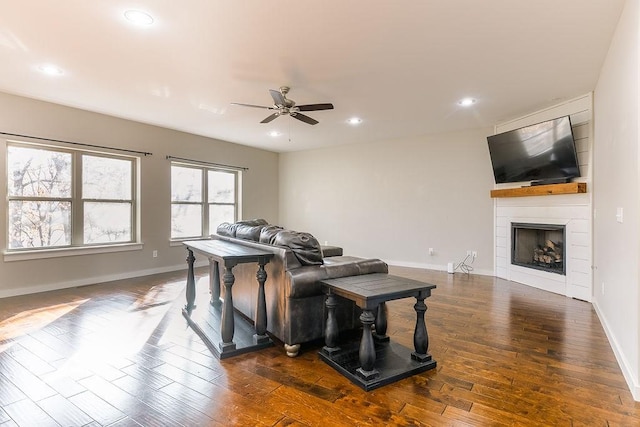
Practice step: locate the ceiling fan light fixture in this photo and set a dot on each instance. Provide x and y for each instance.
(466, 102)
(138, 17)
(354, 121)
(274, 133)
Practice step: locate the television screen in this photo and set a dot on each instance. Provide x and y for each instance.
(544, 151)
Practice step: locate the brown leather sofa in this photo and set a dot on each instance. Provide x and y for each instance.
(296, 311)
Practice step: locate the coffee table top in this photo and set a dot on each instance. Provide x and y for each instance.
(368, 290)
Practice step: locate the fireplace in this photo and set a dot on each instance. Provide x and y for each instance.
(538, 246)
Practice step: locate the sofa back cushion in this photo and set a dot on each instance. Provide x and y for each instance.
(249, 232)
(249, 229)
(268, 233)
(226, 229)
(303, 245)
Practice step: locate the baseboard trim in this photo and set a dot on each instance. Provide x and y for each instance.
(624, 364)
(437, 267)
(6, 293)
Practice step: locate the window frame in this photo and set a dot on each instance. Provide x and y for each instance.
(205, 204)
(76, 244)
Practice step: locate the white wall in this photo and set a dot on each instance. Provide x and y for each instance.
(616, 245)
(394, 200)
(20, 115)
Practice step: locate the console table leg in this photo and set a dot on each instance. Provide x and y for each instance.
(227, 322)
(191, 282)
(420, 336)
(261, 307)
(381, 323)
(331, 328)
(214, 282)
(367, 352)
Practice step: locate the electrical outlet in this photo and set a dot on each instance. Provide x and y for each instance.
(474, 254)
(469, 252)
(155, 254)
(430, 251)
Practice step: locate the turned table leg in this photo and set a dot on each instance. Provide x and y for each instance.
(331, 328)
(214, 282)
(191, 282)
(381, 323)
(367, 352)
(227, 322)
(420, 336)
(261, 307)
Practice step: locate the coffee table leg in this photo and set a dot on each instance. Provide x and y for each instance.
(214, 282)
(367, 352)
(331, 328)
(420, 336)
(261, 308)
(191, 282)
(381, 323)
(227, 322)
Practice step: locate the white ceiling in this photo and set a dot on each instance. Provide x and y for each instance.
(399, 65)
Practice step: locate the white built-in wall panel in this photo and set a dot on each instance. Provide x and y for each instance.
(571, 210)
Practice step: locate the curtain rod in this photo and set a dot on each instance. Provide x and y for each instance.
(208, 163)
(77, 143)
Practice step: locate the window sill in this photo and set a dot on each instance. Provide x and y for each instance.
(65, 252)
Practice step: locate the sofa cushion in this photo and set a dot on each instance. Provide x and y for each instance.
(268, 233)
(230, 230)
(226, 229)
(249, 232)
(304, 246)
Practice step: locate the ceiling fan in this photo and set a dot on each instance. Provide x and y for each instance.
(285, 106)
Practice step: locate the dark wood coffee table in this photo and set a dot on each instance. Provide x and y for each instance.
(376, 361)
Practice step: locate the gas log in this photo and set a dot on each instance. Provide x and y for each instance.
(549, 254)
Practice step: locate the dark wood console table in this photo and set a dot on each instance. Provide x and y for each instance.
(218, 319)
(376, 361)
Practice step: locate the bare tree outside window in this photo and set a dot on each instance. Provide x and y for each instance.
(199, 205)
(46, 209)
(39, 184)
(106, 191)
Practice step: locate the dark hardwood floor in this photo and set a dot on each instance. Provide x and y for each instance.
(120, 354)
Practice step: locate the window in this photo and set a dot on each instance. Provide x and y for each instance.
(66, 198)
(201, 199)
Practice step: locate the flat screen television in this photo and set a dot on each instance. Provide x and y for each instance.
(542, 153)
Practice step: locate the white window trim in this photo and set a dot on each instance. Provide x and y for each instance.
(205, 203)
(20, 254)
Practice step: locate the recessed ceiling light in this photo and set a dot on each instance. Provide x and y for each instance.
(51, 70)
(138, 17)
(466, 102)
(274, 133)
(354, 121)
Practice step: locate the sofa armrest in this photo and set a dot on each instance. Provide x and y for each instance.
(304, 282)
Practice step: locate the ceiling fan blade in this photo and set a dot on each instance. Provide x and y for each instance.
(315, 107)
(304, 118)
(251, 105)
(278, 98)
(270, 118)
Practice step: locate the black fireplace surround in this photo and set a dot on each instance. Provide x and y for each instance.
(539, 246)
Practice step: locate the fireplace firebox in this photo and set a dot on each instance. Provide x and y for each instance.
(538, 246)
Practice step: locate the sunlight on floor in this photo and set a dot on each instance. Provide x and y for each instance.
(30, 320)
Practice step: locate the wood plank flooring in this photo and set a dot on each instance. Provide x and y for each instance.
(121, 354)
